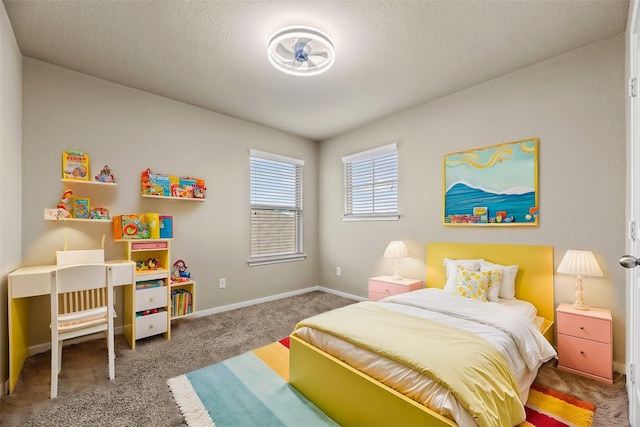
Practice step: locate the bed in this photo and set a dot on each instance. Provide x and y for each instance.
(354, 386)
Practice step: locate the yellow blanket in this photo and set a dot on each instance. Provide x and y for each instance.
(475, 372)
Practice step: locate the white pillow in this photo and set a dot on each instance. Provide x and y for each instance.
(509, 273)
(495, 281)
(452, 273)
(524, 307)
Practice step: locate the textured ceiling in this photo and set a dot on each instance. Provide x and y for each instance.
(390, 55)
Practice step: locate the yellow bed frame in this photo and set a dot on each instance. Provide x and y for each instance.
(352, 398)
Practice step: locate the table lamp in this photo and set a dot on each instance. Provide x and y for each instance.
(396, 249)
(580, 263)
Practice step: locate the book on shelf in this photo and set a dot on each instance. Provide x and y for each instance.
(181, 302)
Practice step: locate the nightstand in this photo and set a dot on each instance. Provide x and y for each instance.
(584, 342)
(384, 286)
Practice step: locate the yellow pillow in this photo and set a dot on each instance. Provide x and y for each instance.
(475, 284)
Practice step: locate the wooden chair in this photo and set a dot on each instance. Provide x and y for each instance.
(81, 304)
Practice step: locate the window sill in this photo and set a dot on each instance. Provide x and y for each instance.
(275, 260)
(395, 217)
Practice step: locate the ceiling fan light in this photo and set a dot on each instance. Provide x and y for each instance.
(301, 51)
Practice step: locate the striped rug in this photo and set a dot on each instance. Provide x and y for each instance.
(247, 390)
(253, 390)
(549, 408)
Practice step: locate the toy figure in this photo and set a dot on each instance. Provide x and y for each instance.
(180, 273)
(152, 264)
(62, 206)
(105, 175)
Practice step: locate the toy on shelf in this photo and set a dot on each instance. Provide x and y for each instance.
(138, 226)
(81, 207)
(63, 211)
(105, 175)
(132, 226)
(156, 184)
(148, 312)
(150, 264)
(99, 212)
(75, 165)
(153, 263)
(180, 273)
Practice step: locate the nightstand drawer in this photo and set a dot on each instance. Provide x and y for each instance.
(585, 356)
(384, 286)
(387, 288)
(375, 296)
(584, 327)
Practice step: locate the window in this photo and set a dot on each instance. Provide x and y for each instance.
(371, 184)
(276, 208)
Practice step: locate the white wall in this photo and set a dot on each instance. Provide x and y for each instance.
(130, 131)
(575, 105)
(10, 172)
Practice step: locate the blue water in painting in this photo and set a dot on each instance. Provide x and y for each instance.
(461, 199)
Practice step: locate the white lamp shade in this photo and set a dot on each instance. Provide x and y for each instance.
(396, 249)
(580, 263)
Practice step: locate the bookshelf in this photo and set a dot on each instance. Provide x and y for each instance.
(146, 303)
(182, 299)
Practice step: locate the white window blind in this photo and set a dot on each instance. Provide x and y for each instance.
(276, 208)
(371, 184)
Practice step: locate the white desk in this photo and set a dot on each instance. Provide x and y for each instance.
(35, 281)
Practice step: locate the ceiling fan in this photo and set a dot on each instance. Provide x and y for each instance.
(301, 51)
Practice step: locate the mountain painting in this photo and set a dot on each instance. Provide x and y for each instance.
(495, 185)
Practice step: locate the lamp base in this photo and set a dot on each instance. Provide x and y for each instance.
(579, 302)
(579, 306)
(396, 271)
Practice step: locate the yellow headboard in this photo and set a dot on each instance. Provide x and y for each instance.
(534, 282)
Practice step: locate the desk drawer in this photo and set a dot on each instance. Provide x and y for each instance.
(123, 273)
(147, 299)
(29, 285)
(152, 324)
(584, 327)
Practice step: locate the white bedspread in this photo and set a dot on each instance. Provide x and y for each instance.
(511, 332)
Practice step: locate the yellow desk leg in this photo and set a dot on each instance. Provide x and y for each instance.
(18, 337)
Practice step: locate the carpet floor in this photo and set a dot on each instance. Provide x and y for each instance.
(139, 394)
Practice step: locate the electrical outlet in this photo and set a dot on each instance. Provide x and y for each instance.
(338, 271)
(223, 282)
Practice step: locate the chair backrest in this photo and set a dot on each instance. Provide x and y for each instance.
(81, 287)
(85, 256)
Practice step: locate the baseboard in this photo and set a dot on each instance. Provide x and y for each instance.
(221, 309)
(341, 294)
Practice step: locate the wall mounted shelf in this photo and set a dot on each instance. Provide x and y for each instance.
(189, 199)
(52, 215)
(79, 181)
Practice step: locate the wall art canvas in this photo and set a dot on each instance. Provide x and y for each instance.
(492, 186)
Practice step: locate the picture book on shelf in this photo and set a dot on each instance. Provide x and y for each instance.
(75, 165)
